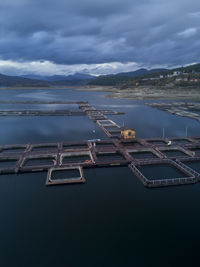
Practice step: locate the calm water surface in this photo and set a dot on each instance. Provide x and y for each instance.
(112, 220)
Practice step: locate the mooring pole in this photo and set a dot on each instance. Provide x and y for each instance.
(94, 131)
(94, 134)
(163, 133)
(186, 131)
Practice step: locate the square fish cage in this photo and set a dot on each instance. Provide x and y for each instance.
(44, 147)
(162, 173)
(76, 158)
(40, 161)
(66, 175)
(144, 154)
(8, 163)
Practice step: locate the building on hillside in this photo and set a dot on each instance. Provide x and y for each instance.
(176, 73)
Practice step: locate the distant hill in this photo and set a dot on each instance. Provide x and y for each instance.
(114, 79)
(55, 78)
(6, 80)
(71, 82)
(122, 79)
(77, 79)
(190, 68)
(180, 77)
(139, 72)
(127, 79)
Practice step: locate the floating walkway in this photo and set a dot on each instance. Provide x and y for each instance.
(83, 108)
(110, 128)
(40, 113)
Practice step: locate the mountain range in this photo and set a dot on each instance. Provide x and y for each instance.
(112, 80)
(80, 79)
(31, 80)
(55, 78)
(128, 78)
(10, 81)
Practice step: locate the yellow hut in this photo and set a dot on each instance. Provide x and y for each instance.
(127, 133)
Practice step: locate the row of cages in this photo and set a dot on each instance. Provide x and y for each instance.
(158, 173)
(190, 143)
(96, 157)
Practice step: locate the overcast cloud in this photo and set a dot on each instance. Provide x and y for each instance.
(94, 36)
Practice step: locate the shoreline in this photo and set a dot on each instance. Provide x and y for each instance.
(35, 88)
(148, 93)
(136, 93)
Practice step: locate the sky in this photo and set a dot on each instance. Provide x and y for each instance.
(50, 37)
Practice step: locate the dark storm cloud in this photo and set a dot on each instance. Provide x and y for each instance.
(93, 31)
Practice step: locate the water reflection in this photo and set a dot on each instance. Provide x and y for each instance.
(112, 220)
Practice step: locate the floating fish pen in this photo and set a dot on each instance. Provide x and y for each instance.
(114, 134)
(111, 112)
(175, 152)
(7, 163)
(195, 150)
(159, 173)
(84, 109)
(103, 112)
(96, 118)
(77, 158)
(156, 142)
(131, 144)
(192, 164)
(181, 141)
(191, 110)
(88, 108)
(196, 139)
(40, 113)
(75, 146)
(104, 144)
(39, 161)
(106, 123)
(112, 128)
(94, 112)
(44, 147)
(144, 154)
(110, 157)
(67, 175)
(39, 102)
(13, 149)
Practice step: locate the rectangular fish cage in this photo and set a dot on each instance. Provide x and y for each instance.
(131, 144)
(39, 161)
(67, 175)
(77, 158)
(163, 173)
(104, 157)
(44, 147)
(7, 163)
(144, 154)
(13, 149)
(77, 146)
(156, 142)
(105, 145)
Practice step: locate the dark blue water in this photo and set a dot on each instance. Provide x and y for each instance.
(112, 220)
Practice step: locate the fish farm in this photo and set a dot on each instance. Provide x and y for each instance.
(65, 162)
(189, 110)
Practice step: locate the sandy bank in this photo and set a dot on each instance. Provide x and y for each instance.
(190, 93)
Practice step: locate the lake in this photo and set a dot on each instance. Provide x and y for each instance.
(112, 220)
